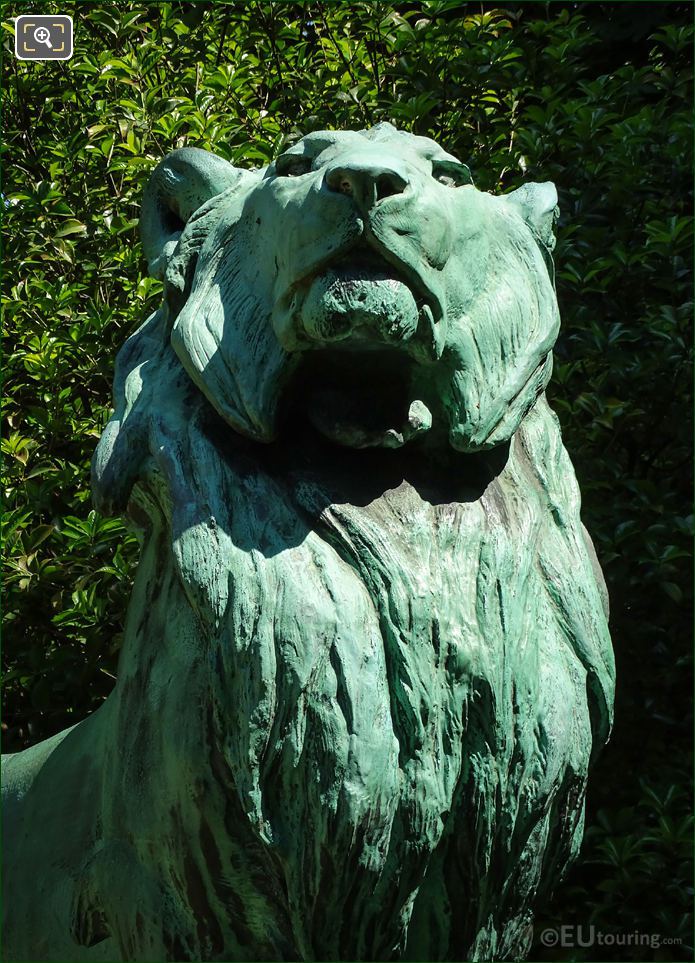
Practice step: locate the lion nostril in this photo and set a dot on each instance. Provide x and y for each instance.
(367, 184)
(389, 184)
(341, 181)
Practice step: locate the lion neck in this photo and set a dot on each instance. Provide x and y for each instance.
(387, 552)
(347, 661)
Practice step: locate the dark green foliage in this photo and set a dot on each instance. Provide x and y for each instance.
(593, 96)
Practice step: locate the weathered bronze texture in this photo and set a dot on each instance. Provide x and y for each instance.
(366, 662)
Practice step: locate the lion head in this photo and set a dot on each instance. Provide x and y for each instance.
(367, 661)
(370, 258)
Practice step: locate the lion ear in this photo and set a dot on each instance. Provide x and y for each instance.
(537, 204)
(179, 185)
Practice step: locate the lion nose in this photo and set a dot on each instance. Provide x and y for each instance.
(366, 183)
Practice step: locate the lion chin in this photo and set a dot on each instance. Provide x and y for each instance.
(366, 663)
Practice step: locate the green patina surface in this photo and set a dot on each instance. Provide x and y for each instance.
(366, 661)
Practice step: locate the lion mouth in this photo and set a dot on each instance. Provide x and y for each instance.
(363, 295)
(361, 397)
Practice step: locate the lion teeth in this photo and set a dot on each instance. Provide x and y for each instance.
(352, 435)
(428, 343)
(419, 421)
(419, 418)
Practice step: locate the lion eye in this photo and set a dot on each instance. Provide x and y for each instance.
(451, 174)
(292, 165)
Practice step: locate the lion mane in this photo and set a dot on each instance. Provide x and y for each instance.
(366, 663)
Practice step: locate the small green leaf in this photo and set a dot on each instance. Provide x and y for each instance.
(70, 227)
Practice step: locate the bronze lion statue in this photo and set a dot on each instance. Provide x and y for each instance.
(366, 663)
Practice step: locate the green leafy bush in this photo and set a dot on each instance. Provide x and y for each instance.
(593, 96)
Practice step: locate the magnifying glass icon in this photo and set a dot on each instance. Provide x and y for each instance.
(43, 35)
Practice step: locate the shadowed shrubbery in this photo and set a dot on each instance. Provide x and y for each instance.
(593, 96)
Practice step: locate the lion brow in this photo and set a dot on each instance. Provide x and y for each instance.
(313, 143)
(316, 141)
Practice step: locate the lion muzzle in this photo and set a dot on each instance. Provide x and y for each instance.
(367, 181)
